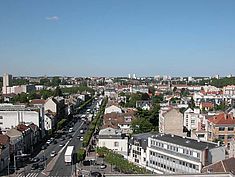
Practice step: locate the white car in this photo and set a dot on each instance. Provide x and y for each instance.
(53, 154)
(81, 139)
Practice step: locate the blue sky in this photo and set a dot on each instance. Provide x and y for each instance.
(117, 37)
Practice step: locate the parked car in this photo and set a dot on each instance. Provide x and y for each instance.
(44, 147)
(35, 166)
(53, 154)
(35, 159)
(103, 166)
(61, 145)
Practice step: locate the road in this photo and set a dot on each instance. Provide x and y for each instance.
(55, 166)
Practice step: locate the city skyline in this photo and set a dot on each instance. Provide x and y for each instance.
(117, 38)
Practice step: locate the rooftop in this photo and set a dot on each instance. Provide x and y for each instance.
(184, 141)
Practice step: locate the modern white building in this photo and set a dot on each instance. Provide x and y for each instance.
(167, 153)
(113, 139)
(12, 115)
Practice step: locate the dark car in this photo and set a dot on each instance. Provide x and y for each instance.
(35, 166)
(41, 167)
(96, 174)
(44, 147)
(55, 142)
(43, 158)
(35, 159)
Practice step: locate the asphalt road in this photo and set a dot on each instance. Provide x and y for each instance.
(60, 169)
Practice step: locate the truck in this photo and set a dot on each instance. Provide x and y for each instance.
(68, 156)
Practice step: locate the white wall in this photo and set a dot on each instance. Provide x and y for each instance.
(11, 119)
(50, 105)
(109, 143)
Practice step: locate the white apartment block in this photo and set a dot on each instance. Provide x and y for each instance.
(12, 115)
(167, 153)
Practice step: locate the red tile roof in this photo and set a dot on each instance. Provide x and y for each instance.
(207, 105)
(227, 165)
(38, 101)
(4, 139)
(222, 119)
(22, 127)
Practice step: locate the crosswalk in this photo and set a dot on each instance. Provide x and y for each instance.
(28, 175)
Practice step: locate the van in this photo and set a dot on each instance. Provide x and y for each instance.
(70, 130)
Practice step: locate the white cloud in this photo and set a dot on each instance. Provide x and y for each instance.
(52, 18)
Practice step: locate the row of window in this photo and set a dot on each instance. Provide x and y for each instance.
(229, 137)
(176, 161)
(136, 152)
(228, 128)
(175, 149)
(162, 165)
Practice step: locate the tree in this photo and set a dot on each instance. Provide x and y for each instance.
(55, 81)
(58, 92)
(174, 89)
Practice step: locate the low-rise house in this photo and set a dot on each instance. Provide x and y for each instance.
(206, 106)
(144, 104)
(50, 120)
(227, 165)
(112, 108)
(119, 120)
(4, 151)
(113, 139)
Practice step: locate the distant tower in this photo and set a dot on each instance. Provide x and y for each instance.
(129, 76)
(134, 76)
(7, 80)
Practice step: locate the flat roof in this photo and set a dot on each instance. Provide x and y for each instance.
(184, 141)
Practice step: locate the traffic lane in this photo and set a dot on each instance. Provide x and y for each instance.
(60, 168)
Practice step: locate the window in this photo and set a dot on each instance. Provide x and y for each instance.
(116, 144)
(230, 137)
(230, 128)
(221, 137)
(193, 122)
(1, 117)
(221, 128)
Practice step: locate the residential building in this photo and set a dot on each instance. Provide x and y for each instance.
(170, 121)
(27, 138)
(113, 139)
(167, 153)
(13, 115)
(144, 104)
(4, 151)
(16, 141)
(119, 120)
(229, 90)
(138, 149)
(196, 123)
(112, 108)
(222, 127)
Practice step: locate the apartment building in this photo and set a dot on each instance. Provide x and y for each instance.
(13, 115)
(170, 121)
(222, 127)
(168, 153)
